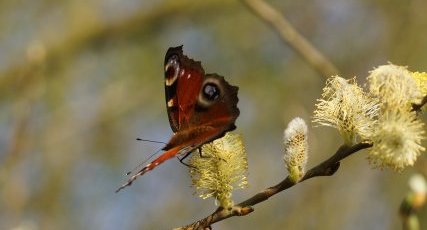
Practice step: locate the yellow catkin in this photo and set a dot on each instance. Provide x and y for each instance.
(345, 106)
(398, 133)
(221, 169)
(296, 148)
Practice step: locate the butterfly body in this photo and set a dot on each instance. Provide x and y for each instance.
(201, 107)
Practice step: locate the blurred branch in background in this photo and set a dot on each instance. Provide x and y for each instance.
(291, 36)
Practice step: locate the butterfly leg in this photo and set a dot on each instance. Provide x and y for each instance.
(201, 155)
(183, 158)
(200, 152)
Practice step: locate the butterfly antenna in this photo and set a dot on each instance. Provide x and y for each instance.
(158, 142)
(145, 161)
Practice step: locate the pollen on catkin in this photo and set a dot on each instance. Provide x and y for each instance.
(394, 86)
(296, 148)
(398, 133)
(420, 81)
(396, 140)
(221, 168)
(345, 106)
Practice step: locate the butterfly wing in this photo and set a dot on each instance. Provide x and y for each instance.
(183, 78)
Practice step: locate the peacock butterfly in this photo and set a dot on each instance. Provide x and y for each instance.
(201, 108)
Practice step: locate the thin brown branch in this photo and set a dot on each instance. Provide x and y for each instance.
(291, 36)
(417, 107)
(326, 168)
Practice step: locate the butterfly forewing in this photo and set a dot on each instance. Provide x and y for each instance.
(183, 78)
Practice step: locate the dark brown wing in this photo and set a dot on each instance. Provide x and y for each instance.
(216, 104)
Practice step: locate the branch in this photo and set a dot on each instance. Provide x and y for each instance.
(417, 107)
(326, 168)
(288, 33)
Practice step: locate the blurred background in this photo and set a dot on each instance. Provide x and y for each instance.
(81, 80)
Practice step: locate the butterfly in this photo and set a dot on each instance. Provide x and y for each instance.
(201, 108)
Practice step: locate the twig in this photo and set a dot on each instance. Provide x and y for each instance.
(326, 168)
(288, 33)
(417, 107)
